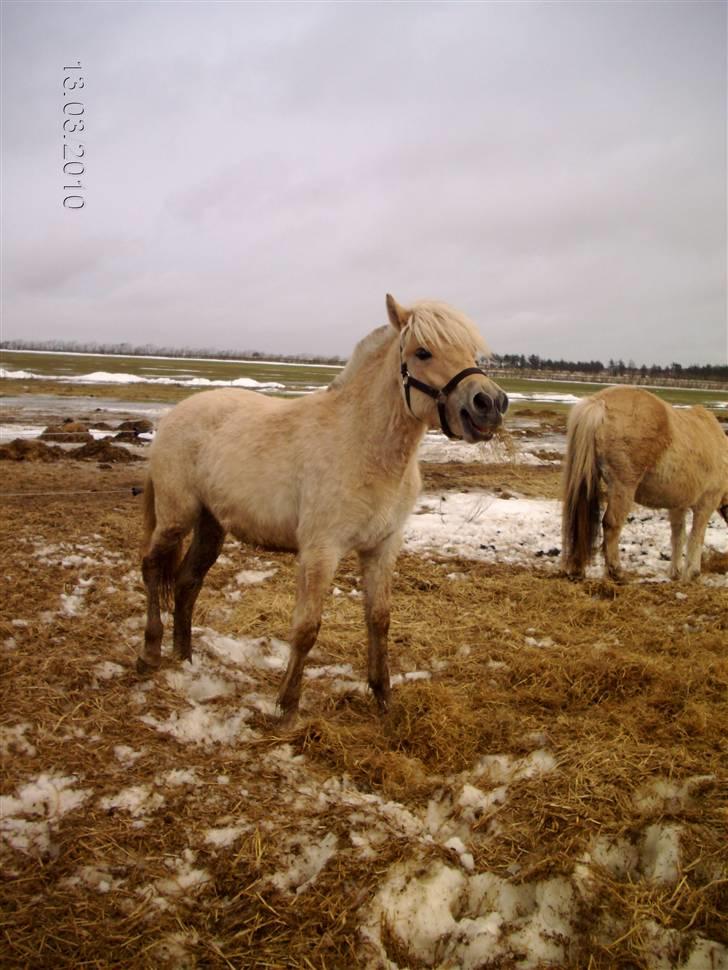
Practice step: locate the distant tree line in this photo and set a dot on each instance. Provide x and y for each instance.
(615, 368)
(152, 350)
(515, 362)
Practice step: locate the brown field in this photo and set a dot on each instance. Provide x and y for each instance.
(625, 687)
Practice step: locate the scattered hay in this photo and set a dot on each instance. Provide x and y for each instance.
(601, 709)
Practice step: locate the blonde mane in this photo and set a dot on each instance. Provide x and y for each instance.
(434, 325)
(368, 345)
(431, 323)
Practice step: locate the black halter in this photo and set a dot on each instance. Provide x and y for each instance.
(440, 396)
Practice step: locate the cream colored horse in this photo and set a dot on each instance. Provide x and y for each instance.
(321, 475)
(646, 452)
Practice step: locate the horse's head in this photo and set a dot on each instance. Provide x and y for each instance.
(442, 384)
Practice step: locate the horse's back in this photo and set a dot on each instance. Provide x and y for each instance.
(671, 456)
(634, 431)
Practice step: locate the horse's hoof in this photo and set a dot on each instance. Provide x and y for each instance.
(382, 705)
(144, 668)
(287, 720)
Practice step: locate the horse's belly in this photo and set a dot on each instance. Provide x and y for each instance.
(264, 517)
(657, 493)
(269, 535)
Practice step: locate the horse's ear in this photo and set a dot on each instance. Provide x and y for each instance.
(398, 316)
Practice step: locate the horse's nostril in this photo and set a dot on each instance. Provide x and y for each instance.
(502, 403)
(482, 402)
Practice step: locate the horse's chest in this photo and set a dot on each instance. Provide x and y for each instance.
(385, 515)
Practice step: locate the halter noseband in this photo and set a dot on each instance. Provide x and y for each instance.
(440, 396)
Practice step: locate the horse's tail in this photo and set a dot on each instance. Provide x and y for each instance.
(167, 557)
(580, 487)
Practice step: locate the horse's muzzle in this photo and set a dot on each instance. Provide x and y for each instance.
(483, 415)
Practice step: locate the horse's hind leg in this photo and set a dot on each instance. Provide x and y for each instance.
(619, 501)
(677, 531)
(204, 549)
(315, 573)
(158, 567)
(377, 567)
(701, 515)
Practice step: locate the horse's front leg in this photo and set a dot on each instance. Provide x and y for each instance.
(677, 530)
(701, 514)
(315, 572)
(377, 566)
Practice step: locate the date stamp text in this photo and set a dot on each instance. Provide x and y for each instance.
(73, 126)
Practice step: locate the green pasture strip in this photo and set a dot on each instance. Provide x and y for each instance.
(141, 393)
(293, 376)
(71, 365)
(673, 395)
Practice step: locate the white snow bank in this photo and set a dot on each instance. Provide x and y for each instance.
(479, 525)
(107, 377)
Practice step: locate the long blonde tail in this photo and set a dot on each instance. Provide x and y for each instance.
(165, 558)
(580, 488)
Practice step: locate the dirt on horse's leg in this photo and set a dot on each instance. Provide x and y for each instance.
(677, 537)
(204, 549)
(377, 566)
(156, 565)
(701, 514)
(619, 502)
(315, 573)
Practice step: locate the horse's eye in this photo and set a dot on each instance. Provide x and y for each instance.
(423, 354)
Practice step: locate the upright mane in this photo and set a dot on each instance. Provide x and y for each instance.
(435, 325)
(367, 346)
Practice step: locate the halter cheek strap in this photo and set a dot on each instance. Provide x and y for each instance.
(440, 396)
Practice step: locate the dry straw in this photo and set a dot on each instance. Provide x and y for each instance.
(631, 687)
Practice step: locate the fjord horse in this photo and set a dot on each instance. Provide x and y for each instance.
(321, 475)
(644, 451)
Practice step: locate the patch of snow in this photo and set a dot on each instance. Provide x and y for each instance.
(126, 755)
(13, 740)
(28, 819)
(225, 835)
(261, 653)
(200, 725)
(136, 800)
(253, 577)
(107, 669)
(305, 861)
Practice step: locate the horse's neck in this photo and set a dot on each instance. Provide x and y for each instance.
(387, 432)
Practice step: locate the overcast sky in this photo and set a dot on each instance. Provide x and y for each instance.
(259, 175)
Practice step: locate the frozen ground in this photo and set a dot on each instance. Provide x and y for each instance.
(443, 911)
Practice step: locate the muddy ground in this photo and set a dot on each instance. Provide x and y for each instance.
(169, 823)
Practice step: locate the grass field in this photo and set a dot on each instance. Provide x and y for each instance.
(75, 365)
(49, 368)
